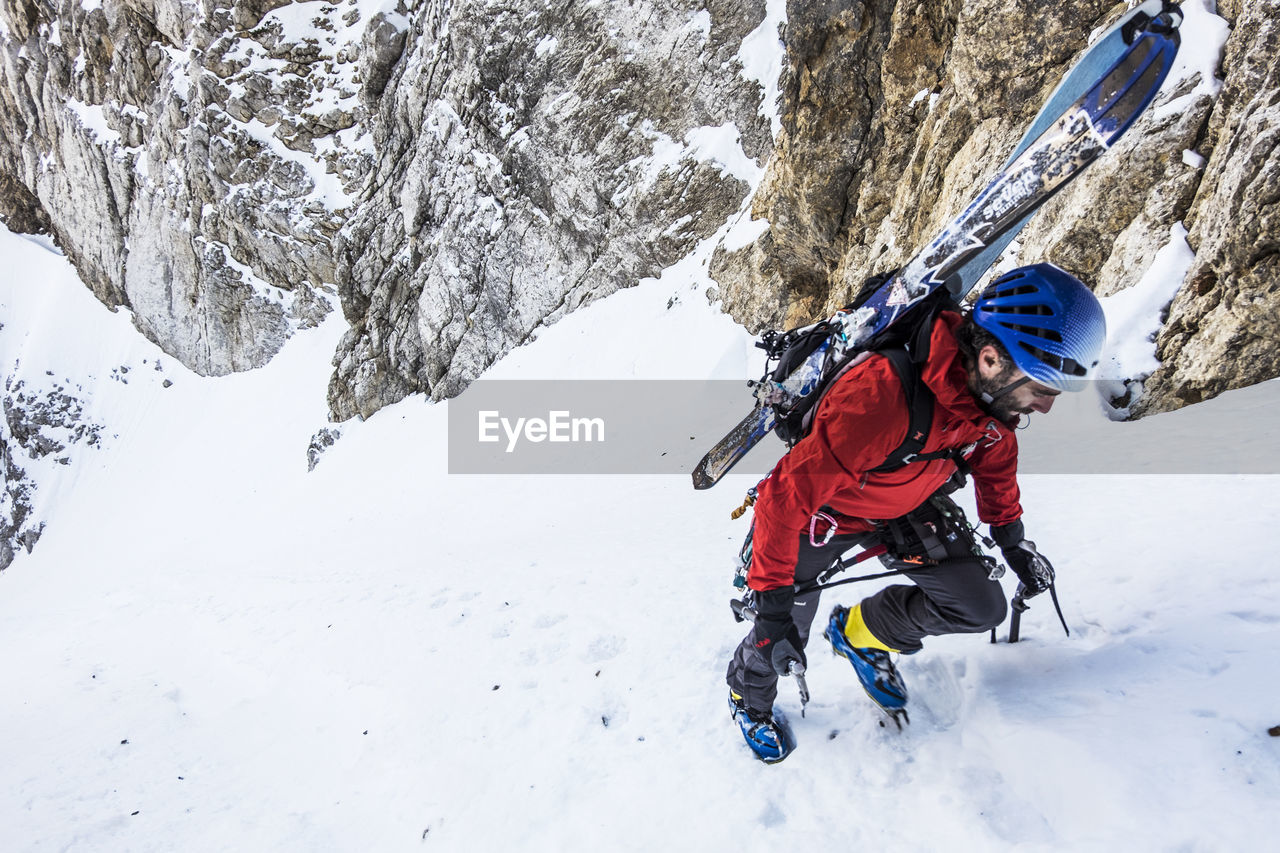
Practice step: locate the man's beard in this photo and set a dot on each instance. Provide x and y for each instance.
(1002, 407)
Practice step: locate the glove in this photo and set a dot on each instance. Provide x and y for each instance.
(776, 635)
(1035, 572)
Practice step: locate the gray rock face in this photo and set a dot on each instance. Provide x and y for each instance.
(489, 167)
(533, 159)
(190, 158)
(40, 425)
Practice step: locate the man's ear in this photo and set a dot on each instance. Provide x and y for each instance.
(989, 358)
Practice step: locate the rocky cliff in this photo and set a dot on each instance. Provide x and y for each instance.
(531, 158)
(458, 173)
(189, 157)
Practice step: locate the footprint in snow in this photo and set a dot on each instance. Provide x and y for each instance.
(1256, 617)
(549, 621)
(936, 687)
(603, 648)
(773, 815)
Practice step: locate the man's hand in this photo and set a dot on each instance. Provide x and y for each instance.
(776, 635)
(1031, 567)
(779, 642)
(1035, 572)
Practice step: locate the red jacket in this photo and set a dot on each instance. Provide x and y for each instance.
(860, 421)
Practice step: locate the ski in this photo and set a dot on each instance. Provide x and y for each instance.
(1099, 99)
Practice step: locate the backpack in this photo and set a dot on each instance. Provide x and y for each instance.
(905, 344)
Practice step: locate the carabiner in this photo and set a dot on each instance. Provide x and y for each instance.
(832, 527)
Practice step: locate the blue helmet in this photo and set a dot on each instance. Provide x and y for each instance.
(1051, 324)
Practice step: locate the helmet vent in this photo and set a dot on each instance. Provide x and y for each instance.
(1018, 290)
(1035, 331)
(1035, 310)
(1067, 366)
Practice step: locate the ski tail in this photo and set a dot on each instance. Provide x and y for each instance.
(1098, 62)
(963, 253)
(735, 445)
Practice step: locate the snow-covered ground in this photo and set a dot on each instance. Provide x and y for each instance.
(211, 648)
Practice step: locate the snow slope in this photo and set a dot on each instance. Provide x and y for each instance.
(212, 649)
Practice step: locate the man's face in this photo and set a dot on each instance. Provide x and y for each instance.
(1031, 396)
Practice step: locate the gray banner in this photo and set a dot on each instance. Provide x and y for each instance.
(593, 427)
(665, 427)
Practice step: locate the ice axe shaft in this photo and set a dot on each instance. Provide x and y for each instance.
(1019, 606)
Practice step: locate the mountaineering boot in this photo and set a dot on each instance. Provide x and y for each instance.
(872, 663)
(769, 737)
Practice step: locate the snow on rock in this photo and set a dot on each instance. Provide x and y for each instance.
(1198, 61)
(1135, 317)
(763, 56)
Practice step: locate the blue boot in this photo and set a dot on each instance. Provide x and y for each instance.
(768, 736)
(874, 667)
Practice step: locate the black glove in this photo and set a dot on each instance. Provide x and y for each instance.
(776, 635)
(1035, 572)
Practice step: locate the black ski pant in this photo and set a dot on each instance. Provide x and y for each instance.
(957, 596)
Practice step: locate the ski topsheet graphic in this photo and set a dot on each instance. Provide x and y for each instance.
(1097, 101)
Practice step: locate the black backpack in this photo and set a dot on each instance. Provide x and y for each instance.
(905, 344)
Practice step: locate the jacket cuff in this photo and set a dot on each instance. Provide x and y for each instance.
(1008, 535)
(775, 603)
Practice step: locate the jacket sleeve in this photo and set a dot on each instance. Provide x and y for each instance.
(858, 424)
(995, 478)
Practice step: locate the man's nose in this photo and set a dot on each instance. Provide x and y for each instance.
(1043, 404)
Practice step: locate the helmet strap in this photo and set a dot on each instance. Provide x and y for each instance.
(988, 399)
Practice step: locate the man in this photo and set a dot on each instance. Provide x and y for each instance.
(1031, 335)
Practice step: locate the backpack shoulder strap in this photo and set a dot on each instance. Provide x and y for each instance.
(919, 408)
